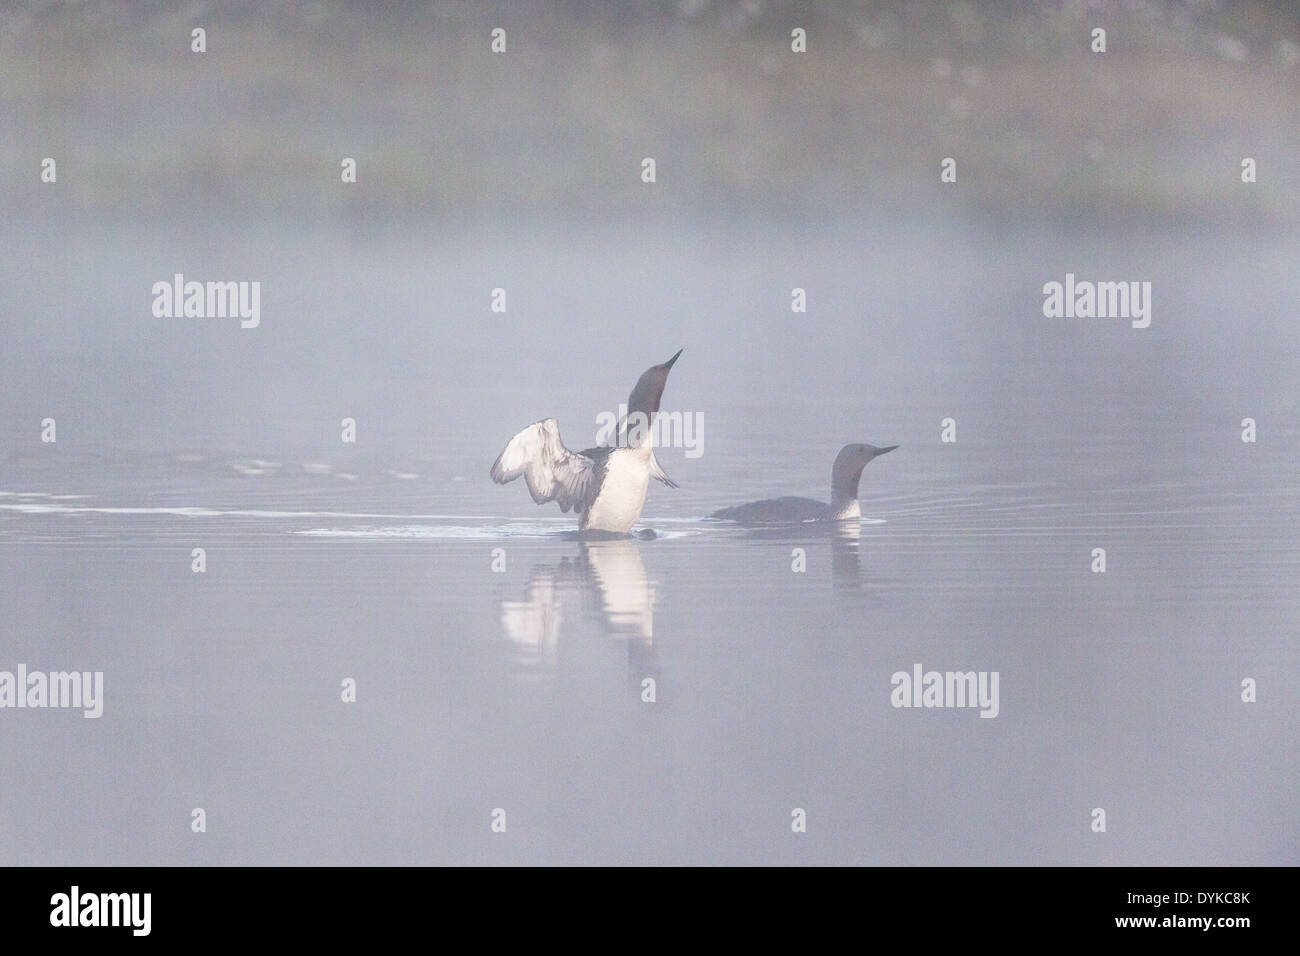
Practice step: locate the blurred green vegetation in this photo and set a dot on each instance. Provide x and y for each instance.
(1042, 129)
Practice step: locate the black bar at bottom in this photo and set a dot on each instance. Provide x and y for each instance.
(1226, 905)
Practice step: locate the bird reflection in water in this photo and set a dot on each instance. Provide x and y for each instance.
(606, 581)
(843, 537)
(846, 559)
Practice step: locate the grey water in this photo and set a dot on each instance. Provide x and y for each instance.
(499, 662)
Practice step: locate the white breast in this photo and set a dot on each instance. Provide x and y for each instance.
(845, 510)
(622, 493)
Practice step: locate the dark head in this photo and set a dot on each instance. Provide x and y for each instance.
(645, 396)
(847, 470)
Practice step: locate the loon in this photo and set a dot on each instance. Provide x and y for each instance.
(845, 474)
(605, 486)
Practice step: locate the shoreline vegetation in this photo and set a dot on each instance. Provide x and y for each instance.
(1043, 130)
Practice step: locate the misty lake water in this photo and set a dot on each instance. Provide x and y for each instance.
(522, 689)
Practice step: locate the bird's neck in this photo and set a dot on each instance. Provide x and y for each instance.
(636, 430)
(844, 489)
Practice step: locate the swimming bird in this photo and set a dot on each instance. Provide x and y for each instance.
(605, 486)
(845, 475)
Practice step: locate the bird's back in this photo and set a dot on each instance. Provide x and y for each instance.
(775, 511)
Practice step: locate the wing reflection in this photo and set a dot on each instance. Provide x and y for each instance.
(606, 580)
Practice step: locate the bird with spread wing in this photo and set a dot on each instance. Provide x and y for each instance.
(606, 485)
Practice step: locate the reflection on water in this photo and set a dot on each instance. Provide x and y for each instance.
(846, 562)
(606, 578)
(843, 539)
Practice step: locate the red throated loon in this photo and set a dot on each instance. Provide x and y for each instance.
(845, 474)
(605, 486)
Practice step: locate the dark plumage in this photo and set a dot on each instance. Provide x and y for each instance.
(846, 472)
(774, 510)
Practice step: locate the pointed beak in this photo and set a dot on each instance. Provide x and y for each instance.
(669, 363)
(881, 451)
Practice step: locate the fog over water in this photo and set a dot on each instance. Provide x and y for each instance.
(523, 688)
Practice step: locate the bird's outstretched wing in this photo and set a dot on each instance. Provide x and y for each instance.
(551, 471)
(657, 472)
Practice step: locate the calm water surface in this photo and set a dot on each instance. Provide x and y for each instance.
(521, 689)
